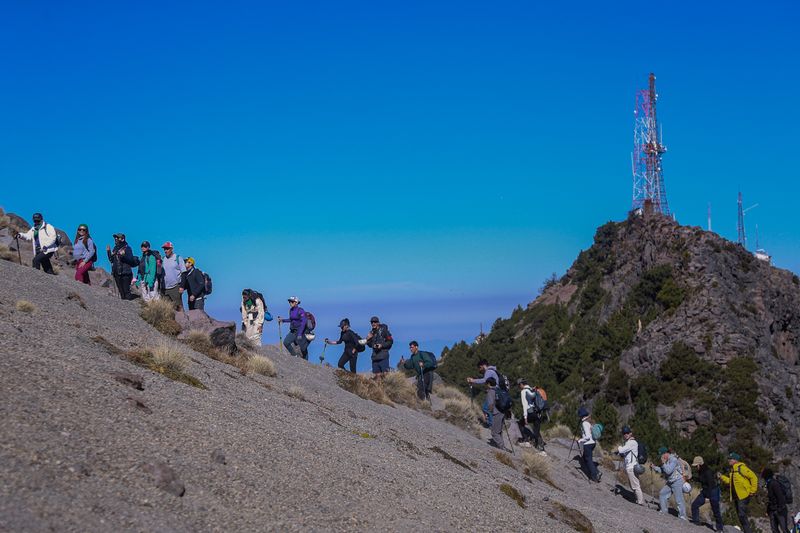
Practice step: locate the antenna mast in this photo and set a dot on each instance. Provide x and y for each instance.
(649, 192)
(709, 216)
(740, 225)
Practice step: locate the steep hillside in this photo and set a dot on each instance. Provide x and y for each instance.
(91, 441)
(672, 328)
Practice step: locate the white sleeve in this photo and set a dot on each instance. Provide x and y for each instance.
(524, 400)
(28, 235)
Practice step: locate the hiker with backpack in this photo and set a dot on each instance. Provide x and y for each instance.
(743, 485)
(380, 340)
(777, 502)
(488, 372)
(352, 347)
(122, 262)
(423, 364)
(672, 470)
(587, 443)
(633, 460)
(174, 267)
(709, 490)
(297, 328)
(193, 282)
(533, 407)
(254, 313)
(499, 402)
(147, 274)
(45, 242)
(84, 251)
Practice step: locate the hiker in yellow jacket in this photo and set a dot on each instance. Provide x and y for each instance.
(743, 485)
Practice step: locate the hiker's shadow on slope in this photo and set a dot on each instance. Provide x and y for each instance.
(625, 492)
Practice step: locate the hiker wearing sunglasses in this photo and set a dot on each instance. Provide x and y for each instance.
(45, 243)
(122, 259)
(84, 252)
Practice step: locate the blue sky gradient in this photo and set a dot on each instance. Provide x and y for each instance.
(431, 164)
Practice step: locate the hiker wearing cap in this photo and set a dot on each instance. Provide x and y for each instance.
(146, 278)
(673, 475)
(254, 313)
(380, 340)
(173, 267)
(84, 252)
(350, 339)
(498, 416)
(45, 243)
(193, 284)
(122, 260)
(423, 364)
(297, 328)
(743, 485)
(531, 412)
(630, 455)
(777, 509)
(709, 490)
(587, 443)
(488, 372)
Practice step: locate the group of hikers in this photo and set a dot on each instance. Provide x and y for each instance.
(741, 481)
(157, 276)
(169, 276)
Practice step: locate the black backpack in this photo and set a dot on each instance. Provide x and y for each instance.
(432, 358)
(503, 382)
(359, 347)
(208, 284)
(502, 400)
(786, 485)
(642, 456)
(311, 322)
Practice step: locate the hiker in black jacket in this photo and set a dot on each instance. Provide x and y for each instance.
(777, 511)
(350, 340)
(380, 340)
(194, 283)
(122, 259)
(709, 490)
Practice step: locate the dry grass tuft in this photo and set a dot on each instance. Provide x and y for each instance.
(25, 306)
(571, 517)
(296, 392)
(243, 342)
(161, 315)
(463, 413)
(513, 493)
(559, 431)
(169, 358)
(400, 390)
(448, 392)
(505, 459)
(199, 341)
(258, 364)
(363, 387)
(538, 466)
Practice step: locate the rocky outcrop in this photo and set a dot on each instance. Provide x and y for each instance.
(222, 334)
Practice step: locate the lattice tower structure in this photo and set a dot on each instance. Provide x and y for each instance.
(740, 224)
(649, 192)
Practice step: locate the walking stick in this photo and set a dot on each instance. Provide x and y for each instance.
(322, 357)
(471, 395)
(280, 335)
(19, 255)
(509, 436)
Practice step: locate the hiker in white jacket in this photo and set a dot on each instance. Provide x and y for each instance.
(630, 454)
(44, 239)
(587, 444)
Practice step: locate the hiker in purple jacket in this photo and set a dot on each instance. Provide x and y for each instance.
(297, 328)
(488, 372)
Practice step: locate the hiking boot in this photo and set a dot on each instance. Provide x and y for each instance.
(525, 444)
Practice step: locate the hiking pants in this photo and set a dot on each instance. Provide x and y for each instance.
(174, 295)
(713, 498)
(636, 486)
(488, 413)
(424, 385)
(741, 512)
(82, 271)
(779, 522)
(588, 450)
(124, 285)
(348, 358)
(535, 423)
(198, 303)
(252, 333)
(293, 338)
(497, 430)
(676, 489)
(148, 295)
(42, 261)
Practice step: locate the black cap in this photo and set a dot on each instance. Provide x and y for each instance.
(37, 216)
(120, 236)
(146, 244)
(375, 319)
(344, 322)
(626, 429)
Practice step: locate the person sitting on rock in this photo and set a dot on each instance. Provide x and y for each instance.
(423, 364)
(44, 239)
(673, 475)
(297, 328)
(194, 283)
(122, 259)
(254, 311)
(84, 252)
(174, 267)
(350, 339)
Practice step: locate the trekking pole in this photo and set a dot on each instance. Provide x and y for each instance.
(19, 255)
(280, 335)
(509, 437)
(322, 356)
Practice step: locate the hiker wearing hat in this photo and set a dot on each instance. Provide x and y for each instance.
(380, 340)
(254, 313)
(423, 364)
(350, 339)
(146, 278)
(193, 284)
(630, 454)
(530, 412)
(297, 328)
(122, 260)
(709, 490)
(173, 267)
(673, 475)
(587, 443)
(777, 509)
(488, 372)
(45, 243)
(84, 252)
(743, 485)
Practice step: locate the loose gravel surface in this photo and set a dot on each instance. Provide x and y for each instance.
(83, 450)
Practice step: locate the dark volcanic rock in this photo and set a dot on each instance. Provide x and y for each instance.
(222, 334)
(129, 379)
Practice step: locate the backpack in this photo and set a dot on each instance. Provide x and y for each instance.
(431, 357)
(207, 282)
(786, 485)
(642, 456)
(502, 400)
(359, 347)
(542, 393)
(537, 404)
(255, 295)
(59, 240)
(597, 431)
(503, 382)
(311, 322)
(93, 259)
(686, 469)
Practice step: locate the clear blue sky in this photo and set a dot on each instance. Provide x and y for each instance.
(428, 162)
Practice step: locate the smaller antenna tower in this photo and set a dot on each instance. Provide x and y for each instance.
(709, 216)
(742, 240)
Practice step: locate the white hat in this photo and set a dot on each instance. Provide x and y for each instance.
(294, 299)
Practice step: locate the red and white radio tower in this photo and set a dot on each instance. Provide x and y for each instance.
(649, 193)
